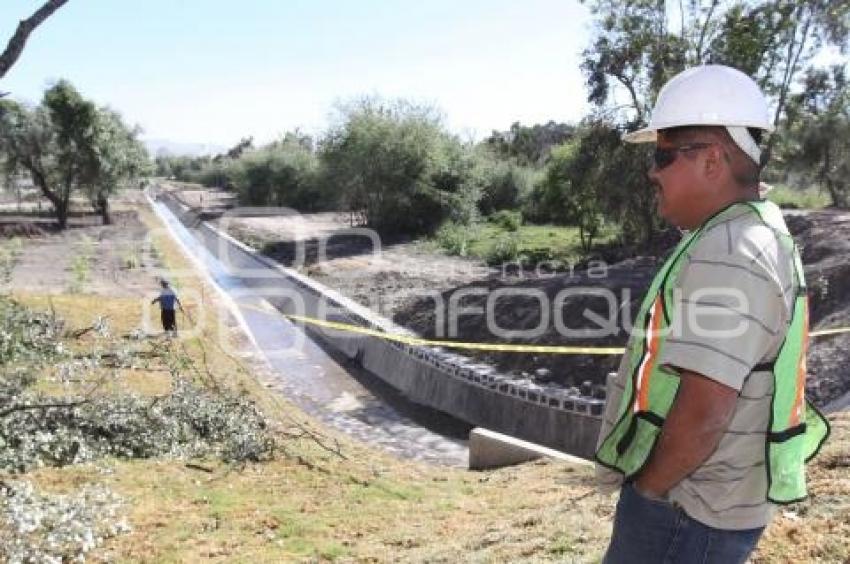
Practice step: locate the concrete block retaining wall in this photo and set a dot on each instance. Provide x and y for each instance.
(449, 382)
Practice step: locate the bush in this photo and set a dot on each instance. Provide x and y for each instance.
(455, 238)
(507, 220)
(504, 249)
(394, 162)
(284, 173)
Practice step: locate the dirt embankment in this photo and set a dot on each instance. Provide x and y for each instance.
(824, 237)
(449, 297)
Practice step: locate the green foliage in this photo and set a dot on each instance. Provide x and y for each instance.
(81, 266)
(593, 177)
(284, 173)
(40, 430)
(180, 167)
(808, 199)
(455, 238)
(556, 245)
(639, 45)
(394, 162)
(67, 144)
(529, 145)
(819, 147)
(27, 338)
(189, 422)
(504, 249)
(9, 252)
(120, 159)
(507, 220)
(504, 184)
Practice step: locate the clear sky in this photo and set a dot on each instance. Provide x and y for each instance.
(213, 71)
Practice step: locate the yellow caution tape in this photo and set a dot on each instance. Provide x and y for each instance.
(824, 332)
(498, 347)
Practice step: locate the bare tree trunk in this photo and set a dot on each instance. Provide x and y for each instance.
(791, 65)
(103, 206)
(703, 31)
(56, 198)
(25, 27)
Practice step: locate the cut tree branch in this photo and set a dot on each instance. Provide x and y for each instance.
(631, 88)
(15, 408)
(704, 30)
(25, 27)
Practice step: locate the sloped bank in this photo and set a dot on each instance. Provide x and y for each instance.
(476, 393)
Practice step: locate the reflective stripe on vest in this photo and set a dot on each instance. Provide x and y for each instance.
(796, 430)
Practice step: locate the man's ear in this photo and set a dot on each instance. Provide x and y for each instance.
(714, 162)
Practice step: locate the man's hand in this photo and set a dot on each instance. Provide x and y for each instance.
(697, 420)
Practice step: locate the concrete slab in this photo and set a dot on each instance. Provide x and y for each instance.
(489, 449)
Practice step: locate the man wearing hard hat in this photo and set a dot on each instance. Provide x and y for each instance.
(706, 429)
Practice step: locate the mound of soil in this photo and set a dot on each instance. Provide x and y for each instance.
(824, 238)
(26, 230)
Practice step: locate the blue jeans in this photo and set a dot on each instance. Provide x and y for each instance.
(648, 531)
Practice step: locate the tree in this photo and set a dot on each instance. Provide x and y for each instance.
(54, 143)
(19, 39)
(640, 44)
(570, 177)
(66, 144)
(392, 162)
(820, 141)
(246, 143)
(776, 41)
(120, 157)
(529, 145)
(283, 173)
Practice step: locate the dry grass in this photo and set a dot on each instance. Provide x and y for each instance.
(311, 505)
(819, 529)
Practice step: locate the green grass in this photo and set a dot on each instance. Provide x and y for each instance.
(9, 252)
(533, 243)
(809, 198)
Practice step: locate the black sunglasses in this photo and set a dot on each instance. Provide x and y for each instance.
(662, 158)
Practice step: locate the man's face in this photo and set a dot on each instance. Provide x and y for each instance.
(675, 176)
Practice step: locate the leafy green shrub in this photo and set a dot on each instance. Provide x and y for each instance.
(505, 184)
(504, 249)
(455, 238)
(507, 219)
(80, 270)
(284, 173)
(393, 161)
(9, 253)
(536, 255)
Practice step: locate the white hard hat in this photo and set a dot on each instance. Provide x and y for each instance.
(714, 95)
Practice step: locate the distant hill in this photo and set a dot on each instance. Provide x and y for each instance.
(176, 148)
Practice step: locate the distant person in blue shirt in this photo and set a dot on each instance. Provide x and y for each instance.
(167, 300)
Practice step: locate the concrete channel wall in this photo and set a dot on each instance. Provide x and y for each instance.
(434, 377)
